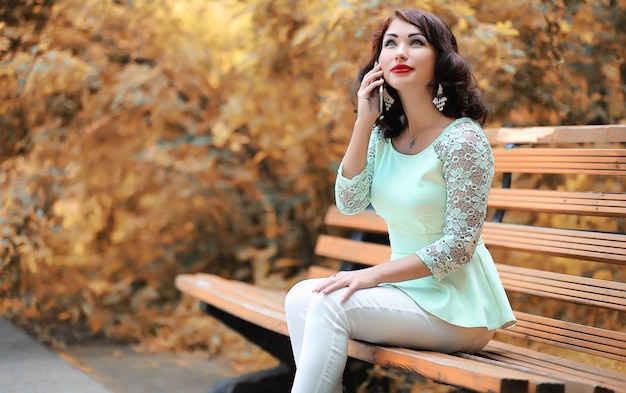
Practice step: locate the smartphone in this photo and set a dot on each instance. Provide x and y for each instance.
(380, 99)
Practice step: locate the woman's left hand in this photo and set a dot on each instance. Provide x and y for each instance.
(352, 280)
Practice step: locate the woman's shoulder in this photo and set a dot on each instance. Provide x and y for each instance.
(464, 124)
(463, 128)
(459, 133)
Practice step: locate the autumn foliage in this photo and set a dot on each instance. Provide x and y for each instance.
(141, 139)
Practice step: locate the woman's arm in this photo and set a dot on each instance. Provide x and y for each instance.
(355, 159)
(354, 178)
(468, 172)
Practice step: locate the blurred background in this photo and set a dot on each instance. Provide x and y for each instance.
(140, 139)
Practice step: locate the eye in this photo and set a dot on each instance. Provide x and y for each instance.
(389, 42)
(418, 42)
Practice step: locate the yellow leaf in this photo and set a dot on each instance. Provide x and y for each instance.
(5, 44)
(79, 249)
(603, 274)
(462, 24)
(99, 287)
(506, 28)
(588, 37)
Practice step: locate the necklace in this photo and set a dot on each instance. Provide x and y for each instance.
(412, 141)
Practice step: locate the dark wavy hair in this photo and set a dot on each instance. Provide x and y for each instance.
(451, 71)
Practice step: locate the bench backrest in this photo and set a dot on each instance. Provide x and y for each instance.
(557, 229)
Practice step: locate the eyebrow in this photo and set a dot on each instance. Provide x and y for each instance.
(410, 35)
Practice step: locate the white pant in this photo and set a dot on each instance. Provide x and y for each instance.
(320, 326)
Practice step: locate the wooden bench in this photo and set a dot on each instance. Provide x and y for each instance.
(571, 330)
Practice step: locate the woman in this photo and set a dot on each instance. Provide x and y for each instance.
(426, 167)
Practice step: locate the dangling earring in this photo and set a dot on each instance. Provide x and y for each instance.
(387, 99)
(440, 99)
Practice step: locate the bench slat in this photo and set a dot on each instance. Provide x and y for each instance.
(552, 154)
(319, 271)
(581, 338)
(565, 169)
(428, 364)
(573, 383)
(584, 237)
(591, 203)
(608, 133)
(580, 372)
(610, 162)
(606, 287)
(589, 245)
(579, 290)
(573, 296)
(215, 290)
(351, 250)
(592, 197)
(536, 246)
(576, 381)
(367, 220)
(267, 297)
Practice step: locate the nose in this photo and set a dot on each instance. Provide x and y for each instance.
(401, 52)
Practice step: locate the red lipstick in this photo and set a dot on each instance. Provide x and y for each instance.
(401, 69)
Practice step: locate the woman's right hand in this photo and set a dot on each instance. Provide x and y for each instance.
(368, 104)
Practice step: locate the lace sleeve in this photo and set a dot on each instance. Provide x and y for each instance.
(468, 172)
(353, 195)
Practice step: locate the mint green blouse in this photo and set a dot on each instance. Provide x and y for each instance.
(434, 204)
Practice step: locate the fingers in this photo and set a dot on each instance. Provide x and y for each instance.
(331, 284)
(350, 288)
(347, 293)
(371, 80)
(374, 74)
(335, 282)
(368, 107)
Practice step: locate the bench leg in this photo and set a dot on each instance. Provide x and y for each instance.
(277, 379)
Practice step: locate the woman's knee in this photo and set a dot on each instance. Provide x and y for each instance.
(301, 298)
(299, 295)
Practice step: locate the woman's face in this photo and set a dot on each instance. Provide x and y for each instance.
(406, 57)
